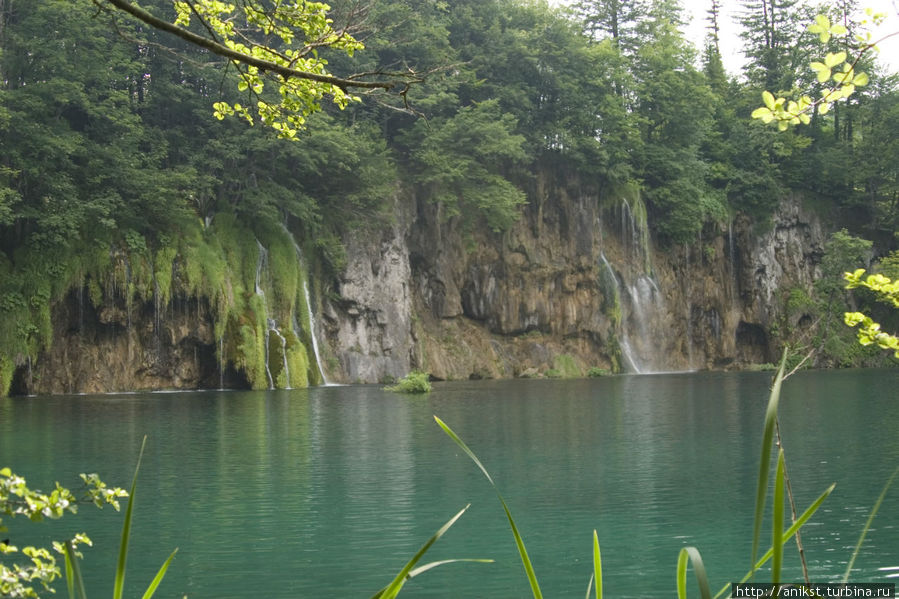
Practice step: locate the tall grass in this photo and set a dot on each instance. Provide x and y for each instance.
(688, 557)
(74, 579)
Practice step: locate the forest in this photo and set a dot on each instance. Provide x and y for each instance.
(117, 180)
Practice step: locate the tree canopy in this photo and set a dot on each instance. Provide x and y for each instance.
(110, 146)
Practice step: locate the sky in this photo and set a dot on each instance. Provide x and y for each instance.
(730, 41)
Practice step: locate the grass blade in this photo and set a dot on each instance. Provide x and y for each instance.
(597, 566)
(861, 538)
(70, 581)
(777, 520)
(519, 542)
(72, 564)
(392, 589)
(806, 515)
(465, 448)
(119, 583)
(431, 565)
(691, 554)
(159, 576)
(765, 463)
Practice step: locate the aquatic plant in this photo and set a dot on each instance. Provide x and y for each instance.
(414, 382)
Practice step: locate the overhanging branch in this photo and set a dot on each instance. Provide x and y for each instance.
(264, 65)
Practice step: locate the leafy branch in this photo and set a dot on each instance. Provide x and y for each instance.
(286, 54)
(869, 332)
(834, 68)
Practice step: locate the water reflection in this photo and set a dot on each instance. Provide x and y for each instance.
(327, 492)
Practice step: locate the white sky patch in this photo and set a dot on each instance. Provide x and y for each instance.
(731, 43)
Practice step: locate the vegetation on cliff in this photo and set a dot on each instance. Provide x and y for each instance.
(117, 183)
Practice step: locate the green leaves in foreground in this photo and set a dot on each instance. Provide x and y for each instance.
(525, 560)
(409, 570)
(74, 580)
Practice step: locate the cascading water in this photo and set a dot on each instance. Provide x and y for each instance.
(311, 316)
(627, 352)
(260, 264)
(222, 361)
(639, 303)
(273, 328)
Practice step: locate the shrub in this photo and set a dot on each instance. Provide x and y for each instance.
(595, 372)
(414, 382)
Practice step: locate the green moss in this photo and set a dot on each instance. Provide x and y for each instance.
(567, 367)
(217, 264)
(163, 263)
(552, 373)
(7, 369)
(595, 372)
(297, 362)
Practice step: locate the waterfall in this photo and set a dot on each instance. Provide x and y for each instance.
(732, 262)
(311, 315)
(627, 352)
(273, 328)
(222, 360)
(260, 264)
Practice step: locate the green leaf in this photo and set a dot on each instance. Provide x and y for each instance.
(768, 98)
(72, 565)
(822, 70)
(777, 519)
(392, 589)
(832, 60)
(702, 580)
(765, 461)
(800, 521)
(519, 542)
(119, 583)
(861, 79)
(159, 576)
(597, 565)
(861, 538)
(764, 114)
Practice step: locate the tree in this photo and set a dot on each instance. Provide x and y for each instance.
(837, 71)
(613, 19)
(269, 41)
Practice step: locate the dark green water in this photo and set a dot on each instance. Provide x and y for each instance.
(327, 492)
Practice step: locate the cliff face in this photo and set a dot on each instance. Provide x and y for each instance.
(103, 350)
(576, 283)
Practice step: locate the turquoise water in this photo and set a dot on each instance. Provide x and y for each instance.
(327, 492)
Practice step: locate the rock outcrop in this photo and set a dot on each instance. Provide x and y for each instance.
(576, 283)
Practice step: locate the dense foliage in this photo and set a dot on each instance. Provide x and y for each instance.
(116, 178)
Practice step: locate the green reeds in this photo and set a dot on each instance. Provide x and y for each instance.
(409, 570)
(74, 580)
(519, 542)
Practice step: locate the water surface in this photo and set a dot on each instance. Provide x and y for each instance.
(327, 492)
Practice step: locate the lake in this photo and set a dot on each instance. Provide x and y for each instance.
(326, 492)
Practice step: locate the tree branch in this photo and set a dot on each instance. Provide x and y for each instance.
(233, 55)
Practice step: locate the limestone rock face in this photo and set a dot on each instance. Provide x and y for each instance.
(577, 278)
(106, 350)
(369, 328)
(576, 283)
